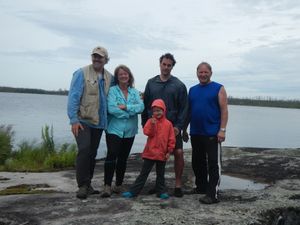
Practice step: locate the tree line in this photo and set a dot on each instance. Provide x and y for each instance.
(256, 101)
(33, 91)
(265, 102)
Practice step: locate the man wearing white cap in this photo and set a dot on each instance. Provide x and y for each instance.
(87, 112)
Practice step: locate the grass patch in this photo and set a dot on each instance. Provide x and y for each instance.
(26, 189)
(31, 157)
(6, 137)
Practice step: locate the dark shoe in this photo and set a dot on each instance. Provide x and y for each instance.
(152, 191)
(92, 191)
(178, 192)
(208, 200)
(82, 192)
(198, 191)
(107, 191)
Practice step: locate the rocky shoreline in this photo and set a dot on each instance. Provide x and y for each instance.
(54, 201)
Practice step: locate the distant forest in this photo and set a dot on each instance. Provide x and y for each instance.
(265, 102)
(33, 91)
(257, 101)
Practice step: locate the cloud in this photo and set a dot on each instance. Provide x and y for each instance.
(252, 46)
(120, 37)
(267, 6)
(267, 71)
(278, 58)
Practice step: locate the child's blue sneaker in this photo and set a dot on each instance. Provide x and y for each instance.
(127, 194)
(164, 196)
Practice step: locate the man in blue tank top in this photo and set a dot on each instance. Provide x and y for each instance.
(208, 116)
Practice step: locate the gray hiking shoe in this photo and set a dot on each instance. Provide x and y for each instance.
(106, 192)
(82, 192)
(92, 191)
(117, 189)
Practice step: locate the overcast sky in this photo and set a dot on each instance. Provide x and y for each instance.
(253, 46)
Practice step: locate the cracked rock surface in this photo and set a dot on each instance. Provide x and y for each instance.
(279, 201)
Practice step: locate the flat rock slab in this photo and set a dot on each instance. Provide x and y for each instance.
(280, 200)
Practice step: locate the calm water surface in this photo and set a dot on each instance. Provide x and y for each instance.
(247, 126)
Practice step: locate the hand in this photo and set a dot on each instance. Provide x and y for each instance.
(185, 136)
(122, 107)
(142, 95)
(153, 120)
(176, 131)
(221, 136)
(75, 128)
(167, 155)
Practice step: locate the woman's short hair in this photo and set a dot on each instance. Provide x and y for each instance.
(125, 68)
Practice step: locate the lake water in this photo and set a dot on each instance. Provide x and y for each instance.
(247, 127)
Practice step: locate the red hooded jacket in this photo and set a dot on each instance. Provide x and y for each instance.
(161, 137)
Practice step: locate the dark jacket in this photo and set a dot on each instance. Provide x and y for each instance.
(173, 92)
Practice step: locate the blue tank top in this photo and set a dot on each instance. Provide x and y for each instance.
(204, 109)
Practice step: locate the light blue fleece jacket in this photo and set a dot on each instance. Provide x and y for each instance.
(123, 123)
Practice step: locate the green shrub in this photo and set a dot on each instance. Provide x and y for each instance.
(6, 135)
(47, 137)
(40, 157)
(28, 157)
(65, 158)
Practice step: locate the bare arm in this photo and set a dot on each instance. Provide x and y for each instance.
(185, 135)
(224, 113)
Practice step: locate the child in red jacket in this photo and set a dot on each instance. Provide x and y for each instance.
(160, 143)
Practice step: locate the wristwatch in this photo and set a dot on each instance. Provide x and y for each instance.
(223, 129)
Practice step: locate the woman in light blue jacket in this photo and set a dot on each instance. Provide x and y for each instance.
(124, 104)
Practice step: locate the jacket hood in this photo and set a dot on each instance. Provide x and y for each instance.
(159, 103)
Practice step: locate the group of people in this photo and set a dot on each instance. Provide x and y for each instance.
(99, 101)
